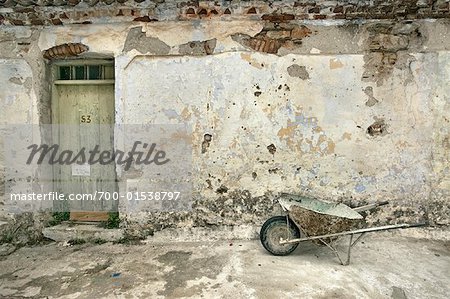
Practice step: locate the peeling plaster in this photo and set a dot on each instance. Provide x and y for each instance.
(169, 32)
(136, 39)
(198, 47)
(371, 101)
(240, 101)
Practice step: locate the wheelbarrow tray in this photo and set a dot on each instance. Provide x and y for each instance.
(318, 217)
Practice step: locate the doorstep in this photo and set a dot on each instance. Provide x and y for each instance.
(67, 231)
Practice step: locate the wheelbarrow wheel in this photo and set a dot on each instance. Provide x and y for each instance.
(276, 228)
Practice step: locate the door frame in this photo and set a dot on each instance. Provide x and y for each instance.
(55, 81)
(54, 104)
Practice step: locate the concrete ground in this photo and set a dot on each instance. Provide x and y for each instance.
(383, 266)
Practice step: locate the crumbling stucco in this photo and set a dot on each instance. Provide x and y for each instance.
(272, 37)
(299, 71)
(378, 128)
(198, 47)
(346, 112)
(371, 100)
(304, 121)
(387, 47)
(136, 39)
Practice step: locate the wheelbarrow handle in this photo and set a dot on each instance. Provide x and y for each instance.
(420, 224)
(370, 206)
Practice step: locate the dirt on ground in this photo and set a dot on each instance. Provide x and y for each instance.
(383, 266)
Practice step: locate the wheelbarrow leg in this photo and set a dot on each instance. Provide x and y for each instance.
(349, 251)
(350, 245)
(332, 248)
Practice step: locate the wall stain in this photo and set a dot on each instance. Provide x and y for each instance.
(298, 71)
(335, 64)
(15, 80)
(371, 101)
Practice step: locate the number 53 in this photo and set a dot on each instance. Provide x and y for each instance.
(85, 118)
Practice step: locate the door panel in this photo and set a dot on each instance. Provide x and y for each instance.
(85, 113)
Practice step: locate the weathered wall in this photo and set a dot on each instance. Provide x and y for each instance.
(356, 112)
(23, 91)
(440, 182)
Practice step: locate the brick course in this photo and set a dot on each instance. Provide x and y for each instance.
(43, 12)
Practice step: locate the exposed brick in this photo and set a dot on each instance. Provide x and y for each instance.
(444, 7)
(304, 16)
(300, 32)
(17, 22)
(265, 45)
(388, 43)
(412, 10)
(202, 12)
(24, 9)
(28, 12)
(314, 10)
(339, 16)
(36, 22)
(338, 9)
(440, 3)
(305, 3)
(144, 19)
(190, 11)
(73, 2)
(386, 9)
(32, 16)
(252, 10)
(349, 9)
(56, 22)
(278, 18)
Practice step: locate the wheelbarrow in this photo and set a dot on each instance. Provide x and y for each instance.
(310, 219)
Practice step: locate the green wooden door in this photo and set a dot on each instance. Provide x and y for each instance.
(84, 112)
